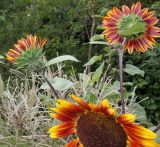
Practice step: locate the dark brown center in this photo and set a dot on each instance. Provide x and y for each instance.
(97, 130)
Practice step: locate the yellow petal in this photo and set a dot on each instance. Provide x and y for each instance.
(140, 131)
(126, 118)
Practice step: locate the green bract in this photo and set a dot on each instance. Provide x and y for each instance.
(31, 60)
(131, 26)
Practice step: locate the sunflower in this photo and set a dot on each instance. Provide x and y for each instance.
(98, 126)
(27, 52)
(135, 25)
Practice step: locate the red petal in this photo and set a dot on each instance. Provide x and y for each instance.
(153, 31)
(136, 8)
(125, 10)
(152, 21)
(130, 46)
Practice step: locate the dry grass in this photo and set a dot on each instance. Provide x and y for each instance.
(24, 119)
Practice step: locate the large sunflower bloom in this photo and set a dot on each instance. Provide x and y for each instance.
(30, 42)
(136, 25)
(98, 126)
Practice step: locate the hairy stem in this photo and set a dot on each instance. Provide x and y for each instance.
(120, 55)
(52, 88)
(90, 45)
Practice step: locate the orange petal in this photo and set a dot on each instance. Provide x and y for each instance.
(73, 143)
(43, 42)
(80, 102)
(70, 105)
(62, 117)
(94, 107)
(148, 15)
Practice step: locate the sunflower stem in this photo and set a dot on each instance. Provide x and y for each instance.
(120, 55)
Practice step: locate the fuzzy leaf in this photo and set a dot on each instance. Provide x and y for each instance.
(97, 37)
(58, 83)
(99, 42)
(133, 70)
(93, 60)
(1, 57)
(61, 59)
(91, 97)
(97, 74)
(139, 111)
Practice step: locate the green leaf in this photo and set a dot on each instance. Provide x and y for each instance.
(97, 74)
(133, 70)
(139, 111)
(1, 57)
(91, 97)
(93, 60)
(97, 16)
(99, 42)
(61, 59)
(128, 83)
(58, 83)
(97, 37)
(100, 27)
(116, 86)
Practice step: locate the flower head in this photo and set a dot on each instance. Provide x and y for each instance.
(98, 126)
(135, 25)
(27, 52)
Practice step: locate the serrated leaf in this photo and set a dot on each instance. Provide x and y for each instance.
(97, 74)
(61, 59)
(58, 83)
(133, 70)
(93, 60)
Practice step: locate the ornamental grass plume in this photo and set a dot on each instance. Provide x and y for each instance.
(98, 126)
(135, 24)
(27, 53)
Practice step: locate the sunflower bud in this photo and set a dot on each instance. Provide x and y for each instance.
(27, 53)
